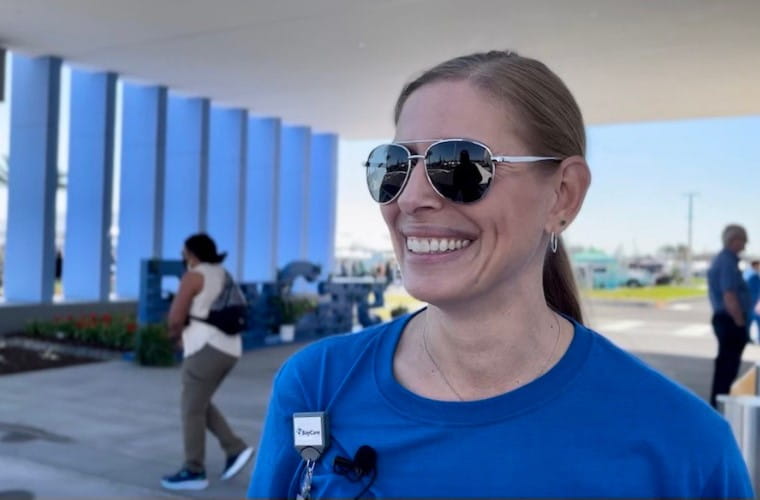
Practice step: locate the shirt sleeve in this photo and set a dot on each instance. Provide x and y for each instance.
(729, 478)
(277, 462)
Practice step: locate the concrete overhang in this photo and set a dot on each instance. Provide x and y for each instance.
(338, 65)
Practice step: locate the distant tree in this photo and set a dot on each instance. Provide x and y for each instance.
(667, 251)
(682, 251)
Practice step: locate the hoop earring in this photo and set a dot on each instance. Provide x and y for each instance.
(554, 241)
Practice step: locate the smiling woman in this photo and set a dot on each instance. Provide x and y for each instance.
(497, 383)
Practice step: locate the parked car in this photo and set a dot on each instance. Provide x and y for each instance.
(635, 278)
(652, 268)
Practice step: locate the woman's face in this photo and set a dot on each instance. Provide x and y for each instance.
(500, 239)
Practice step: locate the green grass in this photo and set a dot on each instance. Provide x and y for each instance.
(650, 293)
(662, 293)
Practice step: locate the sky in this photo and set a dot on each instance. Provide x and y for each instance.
(637, 203)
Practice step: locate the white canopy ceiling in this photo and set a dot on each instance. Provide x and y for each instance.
(338, 65)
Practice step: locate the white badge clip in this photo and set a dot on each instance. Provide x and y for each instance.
(310, 434)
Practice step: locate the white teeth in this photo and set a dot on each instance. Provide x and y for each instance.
(434, 245)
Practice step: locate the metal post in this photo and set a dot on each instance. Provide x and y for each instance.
(688, 277)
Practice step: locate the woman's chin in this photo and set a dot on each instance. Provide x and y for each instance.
(428, 290)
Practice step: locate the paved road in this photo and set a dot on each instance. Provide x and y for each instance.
(681, 328)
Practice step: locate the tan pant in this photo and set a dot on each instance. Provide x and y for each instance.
(202, 374)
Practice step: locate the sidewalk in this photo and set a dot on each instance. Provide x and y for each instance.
(112, 429)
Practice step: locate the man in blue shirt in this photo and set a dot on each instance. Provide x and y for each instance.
(730, 300)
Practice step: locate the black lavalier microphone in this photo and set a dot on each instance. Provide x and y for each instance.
(365, 460)
(363, 463)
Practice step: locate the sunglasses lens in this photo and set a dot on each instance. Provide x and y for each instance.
(387, 167)
(461, 171)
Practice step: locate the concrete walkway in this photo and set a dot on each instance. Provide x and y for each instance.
(111, 429)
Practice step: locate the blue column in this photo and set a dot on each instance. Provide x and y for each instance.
(186, 171)
(87, 249)
(262, 181)
(33, 177)
(142, 183)
(323, 178)
(294, 194)
(226, 184)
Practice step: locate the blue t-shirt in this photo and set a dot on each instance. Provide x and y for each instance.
(723, 276)
(600, 423)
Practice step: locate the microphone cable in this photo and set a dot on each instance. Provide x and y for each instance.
(369, 484)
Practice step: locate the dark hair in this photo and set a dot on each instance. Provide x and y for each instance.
(202, 246)
(551, 124)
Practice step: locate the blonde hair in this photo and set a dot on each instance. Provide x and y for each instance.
(550, 122)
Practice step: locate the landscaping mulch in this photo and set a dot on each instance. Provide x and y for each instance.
(14, 359)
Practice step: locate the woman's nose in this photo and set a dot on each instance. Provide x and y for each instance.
(418, 194)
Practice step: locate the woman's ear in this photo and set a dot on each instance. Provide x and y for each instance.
(573, 180)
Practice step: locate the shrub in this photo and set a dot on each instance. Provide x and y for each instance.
(294, 308)
(111, 332)
(153, 346)
(399, 311)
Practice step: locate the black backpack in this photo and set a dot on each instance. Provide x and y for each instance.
(229, 312)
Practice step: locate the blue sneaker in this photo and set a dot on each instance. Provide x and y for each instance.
(185, 479)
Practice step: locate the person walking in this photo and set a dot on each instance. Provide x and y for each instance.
(209, 356)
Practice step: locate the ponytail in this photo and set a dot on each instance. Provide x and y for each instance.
(560, 289)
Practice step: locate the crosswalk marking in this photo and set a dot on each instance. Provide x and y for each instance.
(620, 326)
(680, 306)
(694, 330)
(634, 326)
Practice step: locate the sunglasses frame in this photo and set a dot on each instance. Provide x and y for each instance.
(412, 160)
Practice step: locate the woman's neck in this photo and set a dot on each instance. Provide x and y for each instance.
(487, 347)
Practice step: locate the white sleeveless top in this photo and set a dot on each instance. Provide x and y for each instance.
(197, 334)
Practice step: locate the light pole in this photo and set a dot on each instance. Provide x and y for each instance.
(691, 196)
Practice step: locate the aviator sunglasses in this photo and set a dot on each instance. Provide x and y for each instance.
(460, 170)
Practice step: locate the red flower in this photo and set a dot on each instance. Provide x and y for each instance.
(131, 327)
(106, 318)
